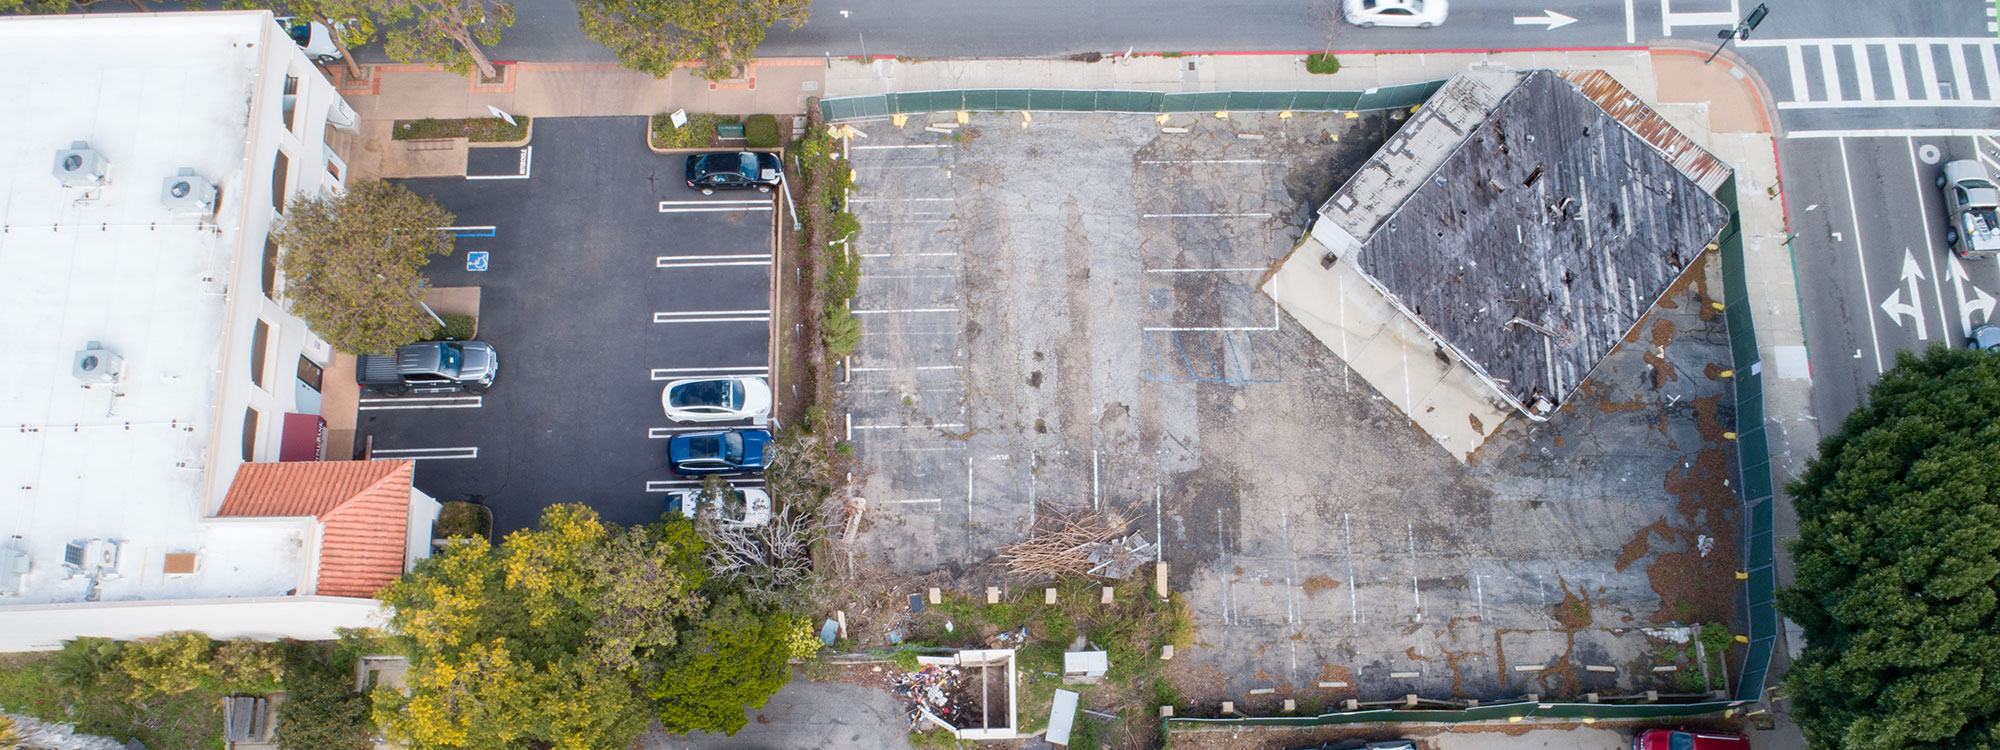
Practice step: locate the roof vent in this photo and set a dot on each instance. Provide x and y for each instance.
(187, 192)
(81, 166)
(95, 364)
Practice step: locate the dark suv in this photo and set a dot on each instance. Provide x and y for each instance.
(734, 170)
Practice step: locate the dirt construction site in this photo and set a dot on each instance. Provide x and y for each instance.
(1062, 313)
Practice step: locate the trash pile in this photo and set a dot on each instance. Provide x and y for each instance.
(1079, 543)
(940, 690)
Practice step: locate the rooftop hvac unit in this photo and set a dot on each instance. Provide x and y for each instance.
(187, 192)
(81, 166)
(96, 364)
(90, 555)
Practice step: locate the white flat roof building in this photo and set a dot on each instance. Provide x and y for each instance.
(145, 353)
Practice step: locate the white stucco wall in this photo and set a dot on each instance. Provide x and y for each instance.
(311, 618)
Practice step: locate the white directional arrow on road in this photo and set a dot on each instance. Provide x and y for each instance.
(1553, 19)
(1980, 302)
(1897, 308)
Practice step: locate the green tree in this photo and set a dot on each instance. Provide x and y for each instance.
(653, 36)
(734, 659)
(247, 666)
(447, 32)
(85, 664)
(170, 664)
(322, 710)
(505, 645)
(354, 261)
(1898, 561)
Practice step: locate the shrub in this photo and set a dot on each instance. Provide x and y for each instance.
(247, 666)
(841, 331)
(321, 711)
(456, 328)
(460, 519)
(474, 129)
(761, 131)
(699, 132)
(174, 663)
(1322, 63)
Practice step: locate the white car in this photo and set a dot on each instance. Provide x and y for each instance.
(1421, 14)
(716, 399)
(313, 37)
(745, 508)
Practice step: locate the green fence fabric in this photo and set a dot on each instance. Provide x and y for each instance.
(1753, 459)
(1148, 102)
(1498, 711)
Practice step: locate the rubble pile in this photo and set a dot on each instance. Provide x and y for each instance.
(940, 690)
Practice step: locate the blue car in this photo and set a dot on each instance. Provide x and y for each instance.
(727, 452)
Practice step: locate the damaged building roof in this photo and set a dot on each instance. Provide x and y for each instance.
(1523, 226)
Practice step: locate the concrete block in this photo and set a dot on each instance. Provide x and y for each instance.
(1263, 691)
(1167, 652)
(1110, 595)
(1598, 668)
(1291, 705)
(1160, 579)
(1350, 705)
(1667, 668)
(1229, 707)
(1529, 667)
(1590, 697)
(1049, 595)
(936, 595)
(992, 594)
(1652, 696)
(1410, 700)
(1166, 711)
(1333, 684)
(1405, 675)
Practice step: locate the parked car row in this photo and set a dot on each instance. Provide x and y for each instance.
(731, 451)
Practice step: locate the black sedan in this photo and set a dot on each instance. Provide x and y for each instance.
(734, 170)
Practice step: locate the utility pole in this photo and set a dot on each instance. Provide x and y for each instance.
(1742, 30)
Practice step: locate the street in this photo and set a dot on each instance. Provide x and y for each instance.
(1870, 251)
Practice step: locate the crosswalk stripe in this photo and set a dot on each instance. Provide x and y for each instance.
(1961, 78)
(1992, 71)
(1864, 73)
(1795, 58)
(1899, 82)
(1926, 73)
(1829, 73)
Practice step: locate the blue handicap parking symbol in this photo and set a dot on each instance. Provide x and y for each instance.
(475, 260)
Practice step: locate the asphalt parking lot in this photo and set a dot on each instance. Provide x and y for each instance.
(1066, 315)
(603, 277)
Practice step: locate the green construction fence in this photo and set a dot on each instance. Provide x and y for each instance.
(1146, 102)
(1493, 712)
(1753, 461)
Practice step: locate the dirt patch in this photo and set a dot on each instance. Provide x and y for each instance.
(1642, 543)
(1574, 609)
(1200, 684)
(1713, 371)
(1316, 584)
(1663, 371)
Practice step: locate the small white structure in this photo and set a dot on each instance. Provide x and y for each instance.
(149, 352)
(1062, 717)
(996, 691)
(1089, 665)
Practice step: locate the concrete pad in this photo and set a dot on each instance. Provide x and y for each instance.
(1733, 105)
(426, 158)
(1341, 309)
(453, 300)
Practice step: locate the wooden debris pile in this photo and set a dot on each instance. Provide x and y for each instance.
(1079, 543)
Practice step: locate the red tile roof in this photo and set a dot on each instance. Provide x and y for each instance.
(363, 509)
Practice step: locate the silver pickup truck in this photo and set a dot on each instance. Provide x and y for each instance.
(429, 367)
(1971, 209)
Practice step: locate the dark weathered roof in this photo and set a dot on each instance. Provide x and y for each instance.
(1540, 239)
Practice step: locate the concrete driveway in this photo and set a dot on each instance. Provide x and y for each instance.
(808, 716)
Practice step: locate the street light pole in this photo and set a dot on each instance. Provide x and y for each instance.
(1741, 31)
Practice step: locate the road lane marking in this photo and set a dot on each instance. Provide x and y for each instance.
(1829, 73)
(1992, 71)
(1930, 249)
(1926, 73)
(428, 454)
(1961, 78)
(1795, 61)
(1896, 133)
(1899, 81)
(1860, 258)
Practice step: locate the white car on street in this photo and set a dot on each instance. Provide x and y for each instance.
(716, 399)
(1421, 14)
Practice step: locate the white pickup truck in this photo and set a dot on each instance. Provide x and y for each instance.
(1971, 209)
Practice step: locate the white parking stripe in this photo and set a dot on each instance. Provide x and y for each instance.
(695, 373)
(712, 209)
(663, 433)
(1205, 216)
(906, 310)
(1204, 270)
(1206, 161)
(718, 202)
(901, 200)
(669, 485)
(714, 264)
(421, 402)
(669, 318)
(709, 312)
(665, 259)
(899, 369)
(914, 145)
(938, 426)
(425, 454)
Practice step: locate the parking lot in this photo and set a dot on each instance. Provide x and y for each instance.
(1065, 314)
(601, 276)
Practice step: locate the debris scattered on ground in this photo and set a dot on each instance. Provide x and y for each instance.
(940, 690)
(1082, 543)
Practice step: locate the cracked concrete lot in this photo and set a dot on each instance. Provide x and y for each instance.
(1066, 314)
